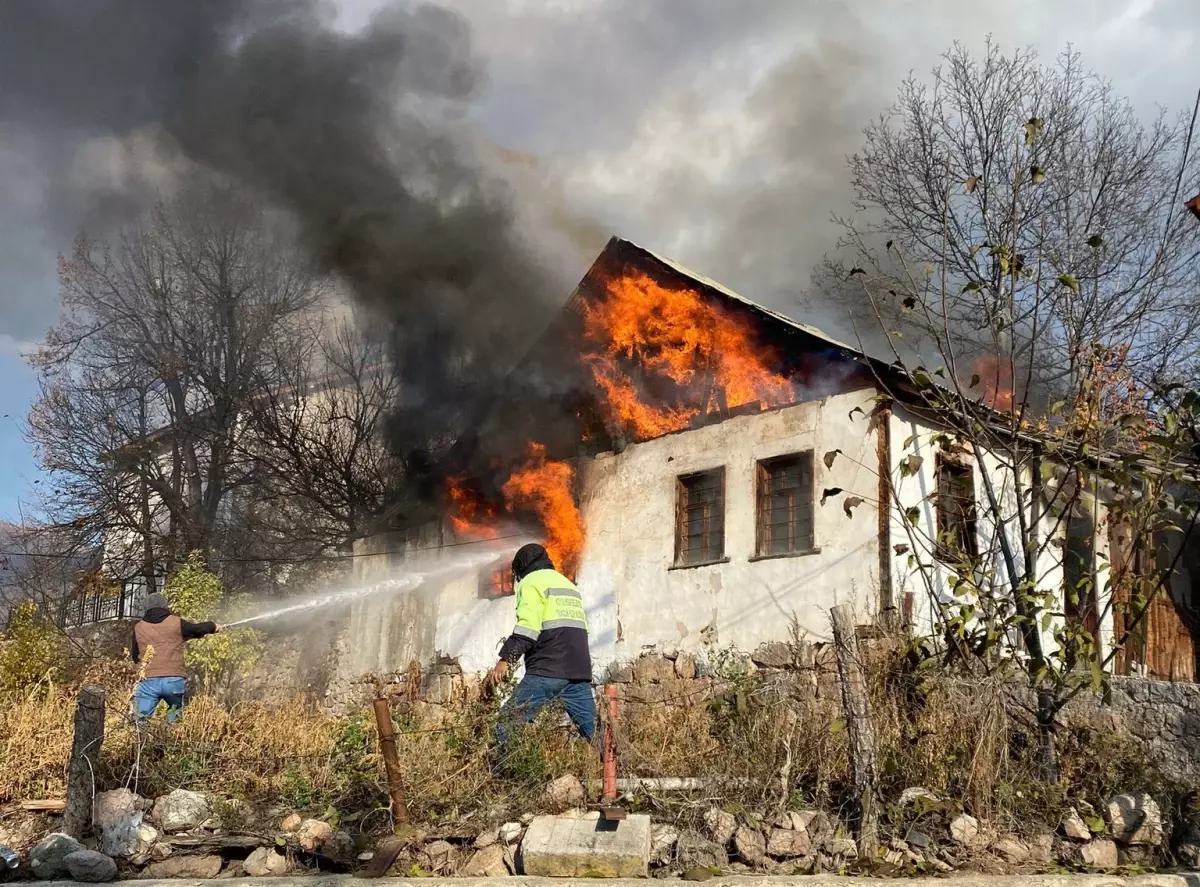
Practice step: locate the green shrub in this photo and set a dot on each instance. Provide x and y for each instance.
(30, 649)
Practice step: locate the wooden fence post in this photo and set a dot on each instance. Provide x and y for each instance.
(84, 761)
(858, 728)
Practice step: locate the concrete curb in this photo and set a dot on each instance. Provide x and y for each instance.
(1187, 879)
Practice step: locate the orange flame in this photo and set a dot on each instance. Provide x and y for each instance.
(710, 356)
(470, 516)
(543, 486)
(996, 379)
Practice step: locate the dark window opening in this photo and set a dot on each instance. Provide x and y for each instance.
(956, 522)
(1079, 572)
(785, 505)
(700, 518)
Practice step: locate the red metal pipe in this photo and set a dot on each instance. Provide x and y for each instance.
(610, 752)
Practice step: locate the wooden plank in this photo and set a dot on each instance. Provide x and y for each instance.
(50, 805)
(385, 855)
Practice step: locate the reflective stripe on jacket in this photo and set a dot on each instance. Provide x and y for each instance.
(551, 631)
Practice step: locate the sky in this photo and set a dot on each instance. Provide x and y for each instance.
(712, 131)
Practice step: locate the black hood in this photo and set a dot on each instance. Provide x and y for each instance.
(156, 615)
(529, 559)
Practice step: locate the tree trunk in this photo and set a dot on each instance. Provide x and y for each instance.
(858, 727)
(85, 756)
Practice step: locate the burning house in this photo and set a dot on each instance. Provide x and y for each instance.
(729, 476)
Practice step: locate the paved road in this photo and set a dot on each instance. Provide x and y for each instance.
(1176, 880)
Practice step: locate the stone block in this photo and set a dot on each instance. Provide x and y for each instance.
(653, 670)
(557, 847)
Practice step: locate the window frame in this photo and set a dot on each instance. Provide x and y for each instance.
(955, 462)
(763, 511)
(682, 490)
(490, 590)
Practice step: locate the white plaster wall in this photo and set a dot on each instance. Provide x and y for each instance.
(634, 597)
(910, 436)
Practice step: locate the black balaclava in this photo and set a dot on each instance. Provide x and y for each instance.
(528, 559)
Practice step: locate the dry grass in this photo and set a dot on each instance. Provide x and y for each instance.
(763, 745)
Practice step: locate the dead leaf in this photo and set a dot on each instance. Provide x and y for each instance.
(854, 271)
(1037, 174)
(1095, 241)
(970, 184)
(830, 491)
(1070, 281)
(851, 502)
(1033, 129)
(830, 456)
(901, 548)
(911, 465)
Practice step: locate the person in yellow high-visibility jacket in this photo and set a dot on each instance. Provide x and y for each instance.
(552, 635)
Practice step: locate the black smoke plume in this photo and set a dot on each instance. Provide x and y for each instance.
(362, 137)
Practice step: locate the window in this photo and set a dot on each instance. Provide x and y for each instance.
(700, 518)
(496, 583)
(1079, 573)
(785, 505)
(956, 510)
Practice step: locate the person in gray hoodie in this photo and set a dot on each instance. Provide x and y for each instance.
(159, 638)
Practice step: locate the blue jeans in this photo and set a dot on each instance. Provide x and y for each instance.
(535, 692)
(149, 691)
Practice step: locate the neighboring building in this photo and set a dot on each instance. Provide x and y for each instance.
(717, 535)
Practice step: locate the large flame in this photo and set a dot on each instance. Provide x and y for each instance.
(540, 487)
(543, 487)
(640, 328)
(996, 381)
(470, 516)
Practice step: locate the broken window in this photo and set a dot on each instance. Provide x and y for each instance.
(496, 583)
(700, 518)
(956, 510)
(785, 505)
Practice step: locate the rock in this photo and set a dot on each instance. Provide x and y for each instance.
(440, 854)
(1100, 853)
(685, 666)
(1012, 849)
(697, 873)
(116, 818)
(788, 843)
(693, 850)
(564, 793)
(487, 839)
(964, 830)
(291, 823)
(312, 834)
(1041, 848)
(264, 862)
(720, 825)
(750, 845)
(1073, 826)
(46, 860)
(663, 839)
(917, 793)
(181, 810)
(802, 819)
(90, 867)
(556, 847)
(526, 818)
(486, 863)
(620, 673)
(773, 654)
(185, 867)
(339, 847)
(510, 832)
(234, 870)
(653, 670)
(920, 840)
(1188, 851)
(1135, 819)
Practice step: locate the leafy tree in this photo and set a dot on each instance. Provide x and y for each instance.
(1020, 243)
